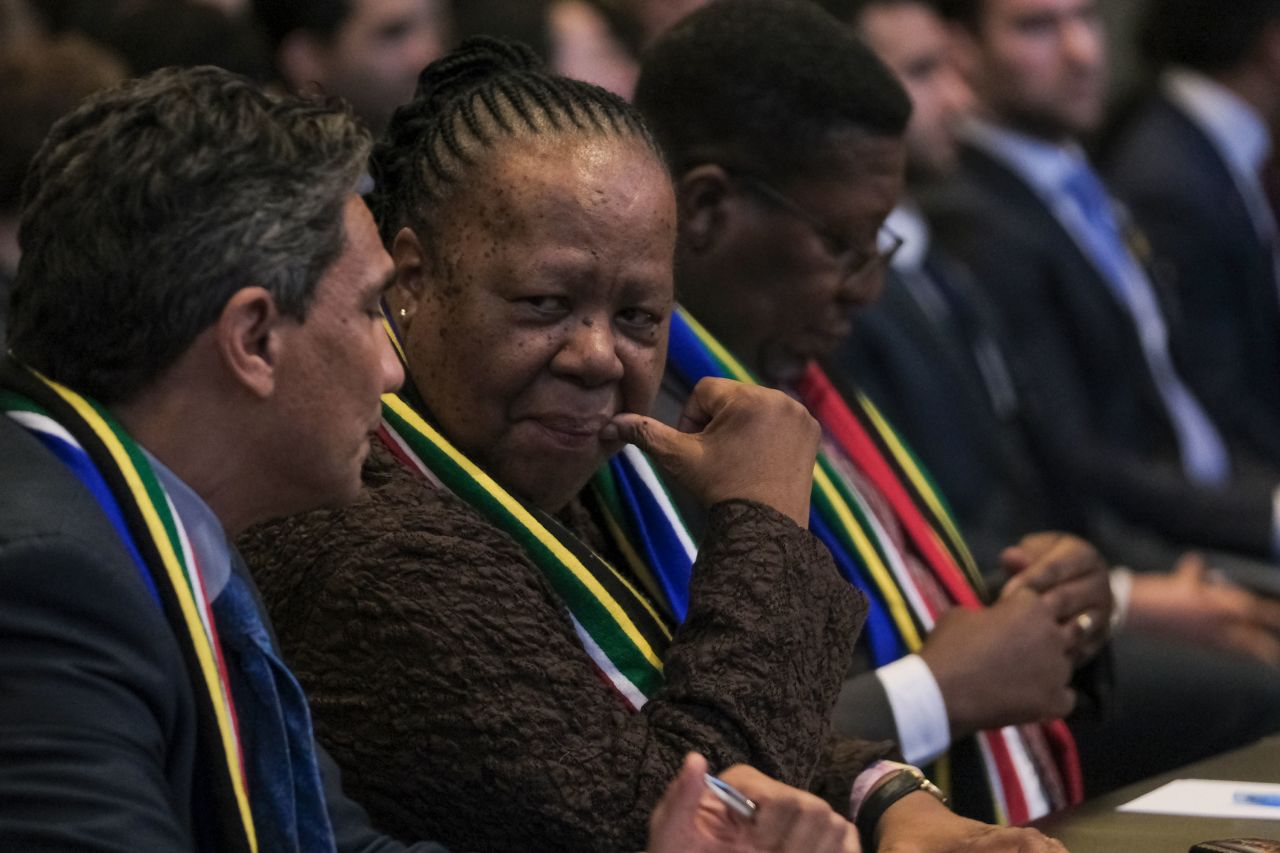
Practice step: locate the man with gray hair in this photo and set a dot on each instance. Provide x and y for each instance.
(197, 273)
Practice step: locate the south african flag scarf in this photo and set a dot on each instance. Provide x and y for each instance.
(88, 440)
(624, 629)
(1022, 787)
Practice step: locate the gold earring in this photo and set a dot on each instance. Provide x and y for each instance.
(404, 313)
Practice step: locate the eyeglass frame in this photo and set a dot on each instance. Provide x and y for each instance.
(845, 252)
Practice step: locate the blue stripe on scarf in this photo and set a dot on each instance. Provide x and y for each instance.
(87, 473)
(690, 361)
(882, 635)
(686, 356)
(663, 551)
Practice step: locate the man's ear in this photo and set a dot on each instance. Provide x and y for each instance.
(705, 199)
(413, 265)
(249, 339)
(300, 59)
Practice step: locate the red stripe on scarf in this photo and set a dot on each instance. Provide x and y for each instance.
(222, 668)
(1063, 744)
(829, 408)
(384, 435)
(1014, 800)
(826, 404)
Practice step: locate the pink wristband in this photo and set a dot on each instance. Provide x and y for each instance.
(868, 779)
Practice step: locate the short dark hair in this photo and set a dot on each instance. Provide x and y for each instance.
(152, 203)
(759, 84)
(850, 11)
(967, 13)
(485, 91)
(1204, 35)
(321, 18)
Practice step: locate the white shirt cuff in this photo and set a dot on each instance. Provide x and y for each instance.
(919, 712)
(1121, 594)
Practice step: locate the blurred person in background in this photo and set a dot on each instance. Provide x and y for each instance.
(368, 52)
(18, 24)
(597, 41)
(153, 34)
(927, 353)
(524, 21)
(1082, 312)
(147, 35)
(658, 16)
(84, 16)
(593, 40)
(232, 8)
(39, 82)
(1194, 166)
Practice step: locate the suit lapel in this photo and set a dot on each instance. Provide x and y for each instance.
(1081, 292)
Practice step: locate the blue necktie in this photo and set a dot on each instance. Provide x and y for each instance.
(1204, 455)
(275, 729)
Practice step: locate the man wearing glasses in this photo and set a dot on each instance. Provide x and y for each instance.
(788, 154)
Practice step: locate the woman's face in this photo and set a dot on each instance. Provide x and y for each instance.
(538, 308)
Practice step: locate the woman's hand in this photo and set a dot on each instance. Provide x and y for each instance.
(918, 823)
(734, 441)
(691, 819)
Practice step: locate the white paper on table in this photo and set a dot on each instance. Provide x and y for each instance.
(1207, 798)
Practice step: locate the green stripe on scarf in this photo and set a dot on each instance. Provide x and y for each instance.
(612, 612)
(154, 532)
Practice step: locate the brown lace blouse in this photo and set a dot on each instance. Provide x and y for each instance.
(447, 680)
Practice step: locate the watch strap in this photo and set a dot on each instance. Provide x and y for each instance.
(895, 787)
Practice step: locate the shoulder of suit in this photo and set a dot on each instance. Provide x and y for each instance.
(40, 497)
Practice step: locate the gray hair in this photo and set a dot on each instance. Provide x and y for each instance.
(152, 203)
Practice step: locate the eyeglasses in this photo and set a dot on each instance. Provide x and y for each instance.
(855, 261)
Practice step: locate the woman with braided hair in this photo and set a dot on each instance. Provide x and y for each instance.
(503, 648)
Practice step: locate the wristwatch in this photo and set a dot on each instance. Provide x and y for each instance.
(906, 781)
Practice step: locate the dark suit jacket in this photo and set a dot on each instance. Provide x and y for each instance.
(1089, 397)
(919, 365)
(6, 285)
(97, 717)
(1205, 242)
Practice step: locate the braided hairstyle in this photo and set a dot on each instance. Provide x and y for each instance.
(484, 92)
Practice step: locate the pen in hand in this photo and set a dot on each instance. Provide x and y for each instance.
(731, 797)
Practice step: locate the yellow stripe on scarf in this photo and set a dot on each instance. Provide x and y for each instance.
(892, 595)
(922, 486)
(543, 536)
(204, 651)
